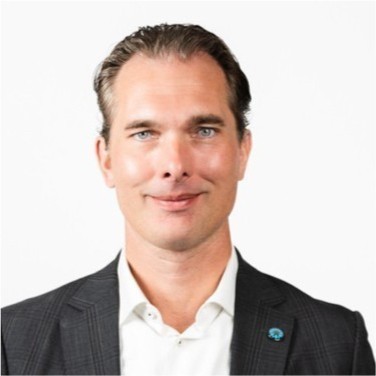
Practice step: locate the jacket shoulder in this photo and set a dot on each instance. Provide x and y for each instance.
(334, 334)
(31, 332)
(284, 296)
(36, 305)
(49, 304)
(295, 295)
(304, 306)
(327, 338)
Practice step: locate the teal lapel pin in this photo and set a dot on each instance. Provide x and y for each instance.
(276, 334)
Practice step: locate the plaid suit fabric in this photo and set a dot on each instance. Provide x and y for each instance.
(74, 330)
(320, 338)
(69, 331)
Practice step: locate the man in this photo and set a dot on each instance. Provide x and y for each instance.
(179, 299)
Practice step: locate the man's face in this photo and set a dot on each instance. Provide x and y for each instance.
(174, 156)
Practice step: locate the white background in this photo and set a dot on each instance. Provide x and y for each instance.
(306, 210)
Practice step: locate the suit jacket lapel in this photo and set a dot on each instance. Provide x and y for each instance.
(252, 352)
(89, 326)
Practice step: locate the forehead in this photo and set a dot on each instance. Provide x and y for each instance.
(165, 73)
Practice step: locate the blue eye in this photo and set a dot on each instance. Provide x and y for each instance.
(142, 136)
(206, 132)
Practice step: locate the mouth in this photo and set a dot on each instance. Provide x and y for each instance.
(176, 202)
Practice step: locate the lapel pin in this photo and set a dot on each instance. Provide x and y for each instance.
(276, 334)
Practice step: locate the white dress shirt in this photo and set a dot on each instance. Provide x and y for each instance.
(150, 347)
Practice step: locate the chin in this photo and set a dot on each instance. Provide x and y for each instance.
(177, 243)
(183, 241)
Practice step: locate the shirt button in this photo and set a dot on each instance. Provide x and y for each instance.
(152, 315)
(179, 342)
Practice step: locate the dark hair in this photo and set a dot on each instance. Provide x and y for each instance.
(184, 40)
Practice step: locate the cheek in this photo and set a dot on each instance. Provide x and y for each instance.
(220, 167)
(130, 171)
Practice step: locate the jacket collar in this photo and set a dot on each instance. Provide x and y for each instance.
(90, 325)
(257, 298)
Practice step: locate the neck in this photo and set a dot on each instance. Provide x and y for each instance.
(178, 282)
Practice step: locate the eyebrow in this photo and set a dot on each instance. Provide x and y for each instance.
(137, 124)
(195, 120)
(206, 119)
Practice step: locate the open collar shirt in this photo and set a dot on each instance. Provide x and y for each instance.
(150, 347)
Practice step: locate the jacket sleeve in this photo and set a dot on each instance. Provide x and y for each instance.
(363, 360)
(4, 366)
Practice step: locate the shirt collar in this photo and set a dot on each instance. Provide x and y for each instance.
(131, 295)
(224, 295)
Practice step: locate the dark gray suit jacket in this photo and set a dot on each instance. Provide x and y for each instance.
(74, 330)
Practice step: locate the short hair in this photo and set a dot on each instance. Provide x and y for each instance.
(184, 40)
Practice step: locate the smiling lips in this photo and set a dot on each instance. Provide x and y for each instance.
(176, 202)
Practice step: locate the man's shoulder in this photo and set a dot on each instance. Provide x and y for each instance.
(322, 337)
(34, 330)
(35, 308)
(304, 306)
(301, 305)
(37, 304)
(329, 323)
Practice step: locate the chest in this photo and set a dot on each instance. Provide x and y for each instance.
(156, 349)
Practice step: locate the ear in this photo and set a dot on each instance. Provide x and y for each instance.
(245, 150)
(104, 160)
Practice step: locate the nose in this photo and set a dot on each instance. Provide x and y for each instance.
(175, 160)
